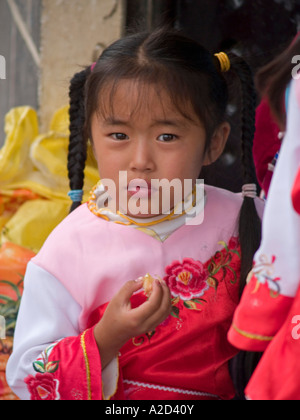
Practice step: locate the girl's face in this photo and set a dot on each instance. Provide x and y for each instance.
(144, 137)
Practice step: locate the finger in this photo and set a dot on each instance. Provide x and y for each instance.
(164, 310)
(159, 311)
(167, 298)
(152, 305)
(128, 290)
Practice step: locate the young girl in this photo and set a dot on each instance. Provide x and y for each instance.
(154, 108)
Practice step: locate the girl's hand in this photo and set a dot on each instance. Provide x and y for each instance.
(120, 322)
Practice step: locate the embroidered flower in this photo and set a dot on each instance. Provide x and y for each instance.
(225, 264)
(43, 387)
(190, 280)
(187, 280)
(264, 271)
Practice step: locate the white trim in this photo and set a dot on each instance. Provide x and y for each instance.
(169, 389)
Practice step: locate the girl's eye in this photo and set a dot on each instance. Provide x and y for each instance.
(167, 137)
(119, 136)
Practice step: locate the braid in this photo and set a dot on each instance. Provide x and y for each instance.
(249, 222)
(78, 144)
(244, 364)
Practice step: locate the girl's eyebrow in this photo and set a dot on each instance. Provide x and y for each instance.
(115, 121)
(172, 123)
(112, 121)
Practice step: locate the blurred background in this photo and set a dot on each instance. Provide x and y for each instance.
(44, 42)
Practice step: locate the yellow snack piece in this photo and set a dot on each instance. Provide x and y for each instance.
(148, 282)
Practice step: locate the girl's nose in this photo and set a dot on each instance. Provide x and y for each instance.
(142, 157)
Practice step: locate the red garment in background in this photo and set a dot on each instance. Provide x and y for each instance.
(268, 317)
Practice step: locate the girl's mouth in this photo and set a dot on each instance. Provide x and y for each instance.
(141, 187)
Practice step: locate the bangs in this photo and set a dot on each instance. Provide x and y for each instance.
(186, 95)
(170, 65)
(139, 98)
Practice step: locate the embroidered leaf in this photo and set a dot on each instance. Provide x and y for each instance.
(188, 304)
(175, 301)
(216, 269)
(150, 335)
(39, 367)
(175, 312)
(213, 282)
(224, 272)
(48, 350)
(234, 274)
(52, 367)
(211, 267)
(224, 245)
(201, 301)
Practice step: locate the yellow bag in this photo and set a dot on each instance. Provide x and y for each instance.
(21, 128)
(36, 164)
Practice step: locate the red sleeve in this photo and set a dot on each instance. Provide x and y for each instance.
(258, 303)
(68, 370)
(277, 375)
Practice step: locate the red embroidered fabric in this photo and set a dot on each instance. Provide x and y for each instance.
(71, 371)
(188, 353)
(186, 357)
(277, 376)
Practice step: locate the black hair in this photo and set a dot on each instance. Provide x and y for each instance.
(249, 220)
(78, 143)
(191, 75)
(273, 79)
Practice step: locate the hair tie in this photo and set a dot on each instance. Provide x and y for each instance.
(93, 66)
(224, 61)
(249, 190)
(76, 195)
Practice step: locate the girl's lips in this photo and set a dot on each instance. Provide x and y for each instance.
(141, 187)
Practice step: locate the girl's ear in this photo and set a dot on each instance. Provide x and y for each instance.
(217, 144)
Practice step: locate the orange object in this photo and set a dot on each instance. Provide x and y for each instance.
(13, 263)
